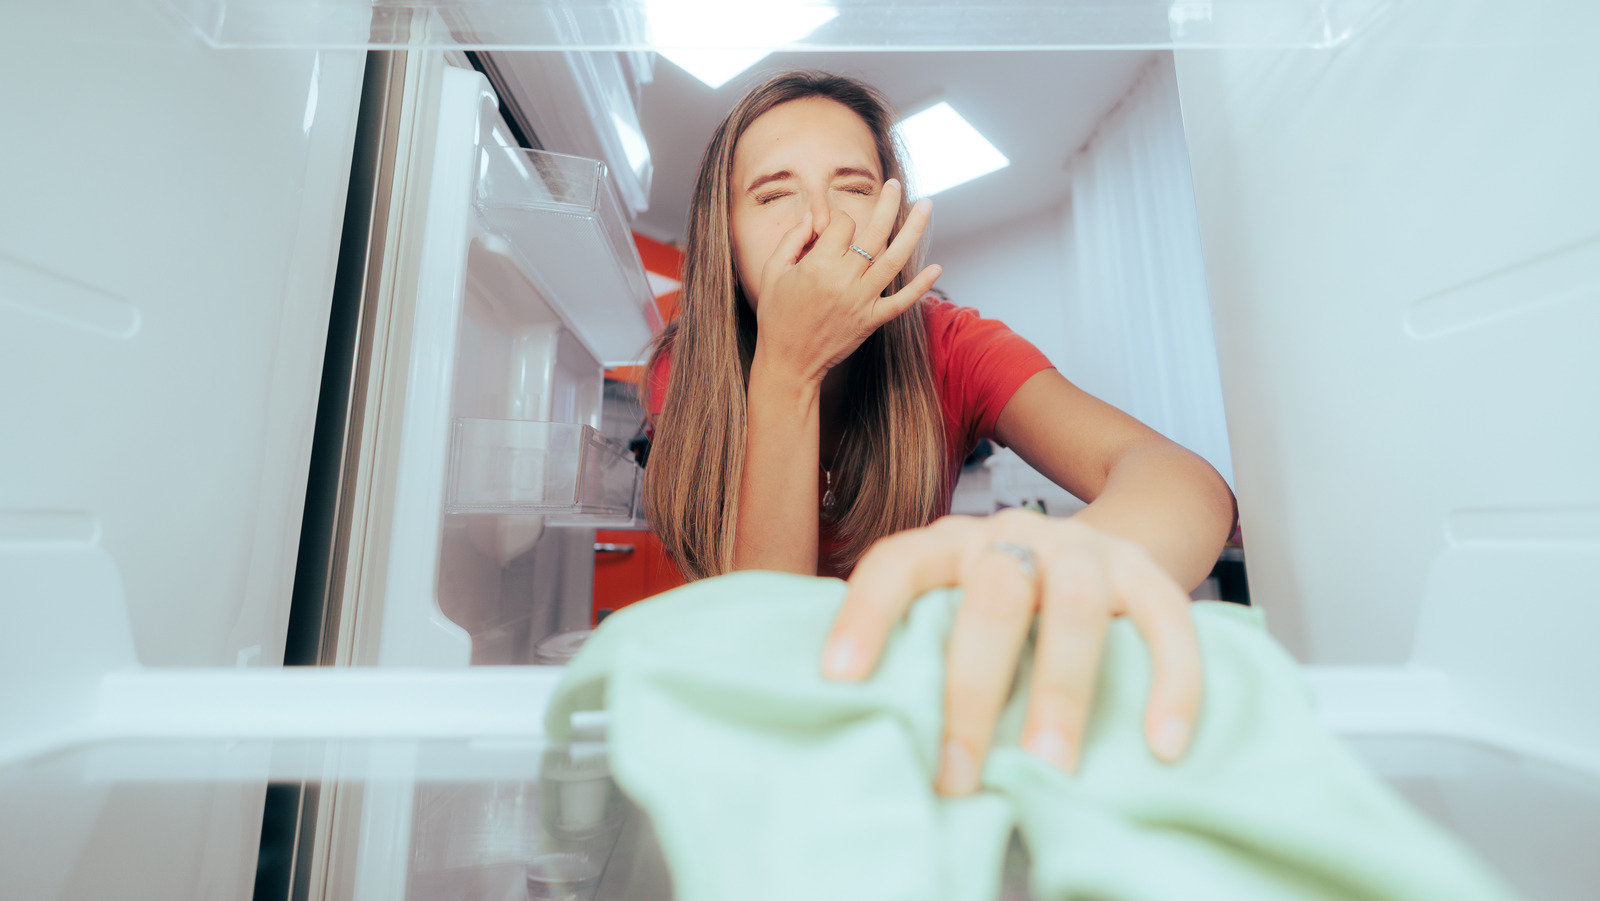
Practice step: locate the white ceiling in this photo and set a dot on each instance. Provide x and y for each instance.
(1038, 107)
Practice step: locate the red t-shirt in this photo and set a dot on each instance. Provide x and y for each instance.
(978, 364)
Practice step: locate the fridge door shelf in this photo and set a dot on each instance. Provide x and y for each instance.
(561, 215)
(517, 467)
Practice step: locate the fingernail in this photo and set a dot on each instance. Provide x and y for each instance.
(924, 205)
(839, 658)
(958, 774)
(1170, 738)
(1051, 745)
(892, 181)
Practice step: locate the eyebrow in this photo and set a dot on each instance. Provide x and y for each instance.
(841, 172)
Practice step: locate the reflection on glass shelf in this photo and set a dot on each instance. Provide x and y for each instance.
(745, 26)
(512, 466)
(176, 820)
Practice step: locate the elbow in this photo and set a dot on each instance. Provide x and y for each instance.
(1217, 497)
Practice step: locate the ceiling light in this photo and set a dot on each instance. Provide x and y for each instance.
(715, 40)
(943, 150)
(633, 144)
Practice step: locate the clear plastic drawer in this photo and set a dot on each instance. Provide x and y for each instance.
(511, 466)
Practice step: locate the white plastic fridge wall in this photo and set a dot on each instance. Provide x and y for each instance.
(1402, 238)
(169, 224)
(1403, 243)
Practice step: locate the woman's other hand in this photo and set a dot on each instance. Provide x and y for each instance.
(819, 298)
(1014, 566)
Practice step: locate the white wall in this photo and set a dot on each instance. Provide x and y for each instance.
(1110, 283)
(1019, 275)
(1025, 276)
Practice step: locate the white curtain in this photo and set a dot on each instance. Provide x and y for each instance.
(1139, 325)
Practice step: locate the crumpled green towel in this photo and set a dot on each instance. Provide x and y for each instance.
(765, 781)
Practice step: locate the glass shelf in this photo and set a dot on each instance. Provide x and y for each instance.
(452, 819)
(512, 466)
(848, 24)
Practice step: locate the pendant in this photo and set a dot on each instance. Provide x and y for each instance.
(827, 492)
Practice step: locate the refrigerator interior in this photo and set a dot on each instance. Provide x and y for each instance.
(528, 283)
(1398, 207)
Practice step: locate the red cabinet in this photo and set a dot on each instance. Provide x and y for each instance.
(629, 566)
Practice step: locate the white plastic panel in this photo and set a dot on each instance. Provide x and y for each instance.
(845, 24)
(65, 626)
(1401, 240)
(167, 255)
(163, 311)
(414, 630)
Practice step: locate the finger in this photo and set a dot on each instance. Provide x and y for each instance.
(793, 241)
(875, 236)
(1160, 610)
(1073, 617)
(893, 573)
(886, 308)
(985, 641)
(894, 258)
(836, 238)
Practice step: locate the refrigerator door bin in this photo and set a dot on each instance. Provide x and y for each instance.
(562, 216)
(509, 466)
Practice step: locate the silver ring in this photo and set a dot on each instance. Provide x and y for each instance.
(870, 257)
(1023, 555)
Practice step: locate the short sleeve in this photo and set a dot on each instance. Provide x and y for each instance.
(656, 380)
(978, 365)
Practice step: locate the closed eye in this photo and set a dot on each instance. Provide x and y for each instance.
(768, 198)
(863, 190)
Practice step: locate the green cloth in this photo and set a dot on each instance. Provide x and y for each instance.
(765, 781)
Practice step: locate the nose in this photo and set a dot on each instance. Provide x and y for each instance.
(821, 213)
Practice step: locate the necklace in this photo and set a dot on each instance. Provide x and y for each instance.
(828, 500)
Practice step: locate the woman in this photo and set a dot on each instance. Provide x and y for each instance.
(811, 408)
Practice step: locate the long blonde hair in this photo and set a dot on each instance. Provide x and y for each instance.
(890, 472)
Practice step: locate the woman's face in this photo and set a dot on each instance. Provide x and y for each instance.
(812, 154)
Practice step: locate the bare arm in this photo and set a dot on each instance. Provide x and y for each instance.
(1139, 485)
(777, 526)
